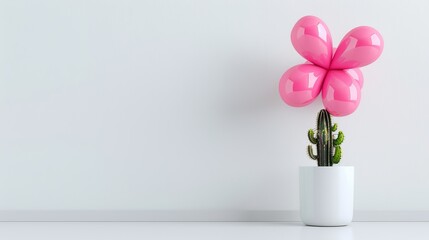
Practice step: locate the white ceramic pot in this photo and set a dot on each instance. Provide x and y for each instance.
(326, 195)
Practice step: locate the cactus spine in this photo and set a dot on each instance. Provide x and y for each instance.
(328, 147)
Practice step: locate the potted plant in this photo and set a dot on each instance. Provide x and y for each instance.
(326, 190)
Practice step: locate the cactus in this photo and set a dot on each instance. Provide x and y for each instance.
(328, 147)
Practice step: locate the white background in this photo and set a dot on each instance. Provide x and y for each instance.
(173, 105)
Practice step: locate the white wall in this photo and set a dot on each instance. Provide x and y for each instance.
(173, 105)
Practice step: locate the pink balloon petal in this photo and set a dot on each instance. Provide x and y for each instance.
(300, 85)
(356, 74)
(360, 47)
(341, 93)
(311, 38)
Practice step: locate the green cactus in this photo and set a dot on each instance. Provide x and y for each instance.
(328, 147)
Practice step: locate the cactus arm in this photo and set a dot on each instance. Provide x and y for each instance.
(337, 156)
(310, 153)
(334, 127)
(311, 137)
(339, 139)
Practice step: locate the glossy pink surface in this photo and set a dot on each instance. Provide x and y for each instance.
(300, 85)
(337, 76)
(356, 74)
(360, 47)
(311, 38)
(341, 93)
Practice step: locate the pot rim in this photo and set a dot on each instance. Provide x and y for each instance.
(326, 167)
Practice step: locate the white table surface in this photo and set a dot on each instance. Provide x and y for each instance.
(210, 230)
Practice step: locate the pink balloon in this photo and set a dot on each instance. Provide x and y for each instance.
(335, 72)
(360, 47)
(341, 93)
(356, 74)
(311, 38)
(300, 85)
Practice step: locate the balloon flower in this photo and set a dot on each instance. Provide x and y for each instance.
(335, 73)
